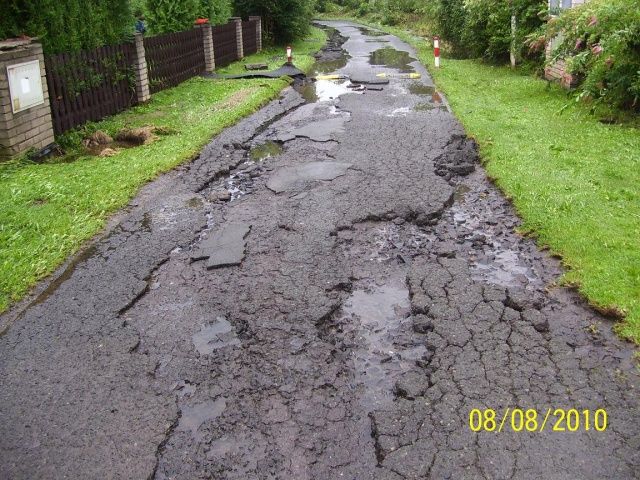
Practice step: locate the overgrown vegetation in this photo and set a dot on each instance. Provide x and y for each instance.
(282, 20)
(601, 41)
(48, 210)
(165, 16)
(67, 25)
(468, 28)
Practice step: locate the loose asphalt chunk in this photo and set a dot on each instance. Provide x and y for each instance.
(225, 248)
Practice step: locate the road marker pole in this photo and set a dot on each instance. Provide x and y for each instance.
(289, 55)
(436, 50)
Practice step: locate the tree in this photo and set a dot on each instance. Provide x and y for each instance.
(282, 20)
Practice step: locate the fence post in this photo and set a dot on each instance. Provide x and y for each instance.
(239, 43)
(209, 56)
(142, 74)
(258, 20)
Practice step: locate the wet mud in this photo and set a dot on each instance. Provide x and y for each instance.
(381, 292)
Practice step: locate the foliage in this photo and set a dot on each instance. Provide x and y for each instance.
(67, 25)
(482, 28)
(601, 40)
(217, 11)
(166, 16)
(282, 20)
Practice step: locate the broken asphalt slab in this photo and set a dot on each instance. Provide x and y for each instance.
(291, 178)
(225, 248)
(321, 131)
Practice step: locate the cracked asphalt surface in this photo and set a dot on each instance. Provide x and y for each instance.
(376, 304)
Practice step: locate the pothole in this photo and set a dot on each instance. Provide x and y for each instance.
(391, 58)
(265, 150)
(378, 320)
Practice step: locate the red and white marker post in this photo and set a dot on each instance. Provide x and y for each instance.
(436, 50)
(289, 55)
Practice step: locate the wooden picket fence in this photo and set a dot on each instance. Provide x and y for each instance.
(249, 37)
(90, 85)
(225, 45)
(173, 58)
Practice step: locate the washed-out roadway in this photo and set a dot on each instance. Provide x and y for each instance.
(363, 290)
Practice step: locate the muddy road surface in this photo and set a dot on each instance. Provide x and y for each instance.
(327, 292)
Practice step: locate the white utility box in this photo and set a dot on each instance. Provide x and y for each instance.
(25, 85)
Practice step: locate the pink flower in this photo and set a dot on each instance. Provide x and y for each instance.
(597, 49)
(579, 44)
(593, 21)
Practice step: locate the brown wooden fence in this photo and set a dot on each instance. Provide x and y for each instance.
(173, 58)
(90, 85)
(249, 37)
(224, 44)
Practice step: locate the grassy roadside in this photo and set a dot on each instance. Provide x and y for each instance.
(47, 211)
(574, 181)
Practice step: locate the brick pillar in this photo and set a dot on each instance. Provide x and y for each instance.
(239, 43)
(142, 74)
(209, 56)
(258, 20)
(23, 128)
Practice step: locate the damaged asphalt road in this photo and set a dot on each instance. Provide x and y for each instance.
(363, 308)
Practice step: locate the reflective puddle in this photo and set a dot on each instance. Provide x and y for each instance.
(392, 58)
(266, 150)
(214, 336)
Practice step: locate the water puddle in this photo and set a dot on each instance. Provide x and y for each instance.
(379, 316)
(371, 33)
(392, 58)
(324, 90)
(241, 182)
(504, 269)
(399, 112)
(418, 88)
(192, 417)
(266, 150)
(214, 336)
(461, 190)
(494, 262)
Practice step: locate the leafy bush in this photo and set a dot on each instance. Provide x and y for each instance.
(171, 15)
(282, 20)
(217, 11)
(67, 25)
(482, 28)
(601, 42)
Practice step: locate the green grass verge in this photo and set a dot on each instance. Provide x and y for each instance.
(47, 211)
(574, 181)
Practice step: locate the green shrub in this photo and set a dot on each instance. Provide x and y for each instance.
(482, 28)
(67, 25)
(217, 11)
(171, 15)
(282, 20)
(601, 41)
